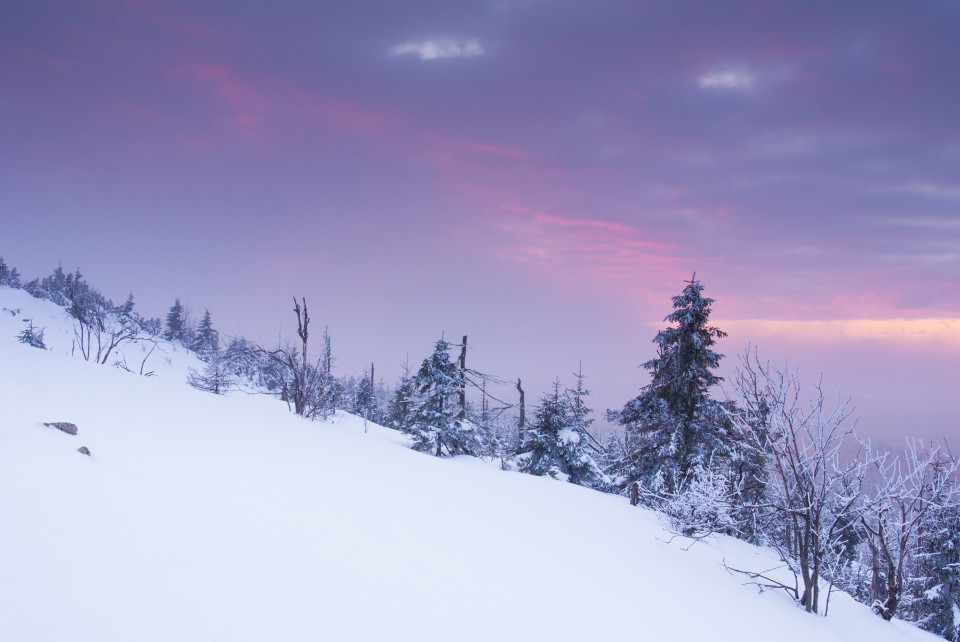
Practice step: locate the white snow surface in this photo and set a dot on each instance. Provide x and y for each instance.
(200, 517)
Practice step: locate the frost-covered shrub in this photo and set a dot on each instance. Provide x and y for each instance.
(216, 376)
(32, 335)
(702, 507)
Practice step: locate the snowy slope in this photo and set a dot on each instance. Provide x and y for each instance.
(200, 517)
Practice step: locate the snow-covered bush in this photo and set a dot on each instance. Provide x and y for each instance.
(702, 506)
(32, 335)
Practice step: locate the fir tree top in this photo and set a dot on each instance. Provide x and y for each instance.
(207, 339)
(176, 323)
(552, 415)
(437, 368)
(684, 357)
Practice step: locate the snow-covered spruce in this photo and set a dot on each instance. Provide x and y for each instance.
(438, 423)
(673, 428)
(556, 444)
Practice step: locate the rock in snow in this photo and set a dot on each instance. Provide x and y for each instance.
(67, 427)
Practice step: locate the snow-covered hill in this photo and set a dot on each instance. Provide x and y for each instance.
(200, 517)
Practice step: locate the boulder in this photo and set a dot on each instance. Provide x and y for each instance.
(84, 450)
(70, 429)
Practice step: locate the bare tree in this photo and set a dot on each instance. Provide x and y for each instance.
(909, 486)
(305, 385)
(462, 395)
(303, 323)
(812, 494)
(523, 415)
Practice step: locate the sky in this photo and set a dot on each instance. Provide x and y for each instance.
(540, 176)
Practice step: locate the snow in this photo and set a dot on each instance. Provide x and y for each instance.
(568, 436)
(200, 517)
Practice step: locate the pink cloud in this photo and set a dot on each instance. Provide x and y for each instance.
(23, 58)
(253, 102)
(580, 228)
(200, 31)
(552, 219)
(493, 148)
(141, 114)
(339, 113)
(193, 142)
(469, 157)
(609, 256)
(238, 92)
(181, 18)
(246, 104)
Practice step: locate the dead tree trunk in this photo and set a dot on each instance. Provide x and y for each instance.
(462, 395)
(523, 416)
(372, 402)
(303, 323)
(483, 403)
(327, 353)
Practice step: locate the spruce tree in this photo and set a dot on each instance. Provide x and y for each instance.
(557, 444)
(14, 279)
(126, 310)
(57, 286)
(579, 448)
(206, 341)
(438, 424)
(9, 276)
(176, 323)
(933, 590)
(539, 448)
(673, 427)
(364, 399)
(401, 405)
